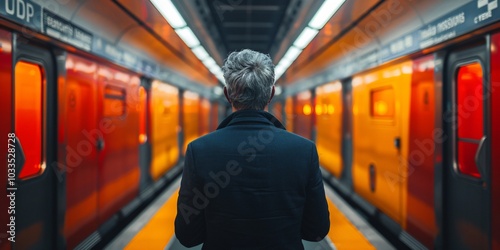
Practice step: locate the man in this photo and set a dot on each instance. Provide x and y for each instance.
(251, 184)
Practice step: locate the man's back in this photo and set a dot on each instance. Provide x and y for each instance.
(251, 185)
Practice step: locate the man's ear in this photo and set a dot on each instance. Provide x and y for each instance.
(272, 95)
(227, 95)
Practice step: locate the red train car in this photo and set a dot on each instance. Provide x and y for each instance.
(82, 120)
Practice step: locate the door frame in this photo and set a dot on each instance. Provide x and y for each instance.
(47, 209)
(476, 51)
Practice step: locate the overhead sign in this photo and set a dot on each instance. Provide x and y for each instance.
(463, 20)
(24, 12)
(65, 31)
(36, 18)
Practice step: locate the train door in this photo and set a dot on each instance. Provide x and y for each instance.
(119, 173)
(34, 125)
(467, 179)
(303, 112)
(346, 147)
(380, 105)
(190, 117)
(328, 110)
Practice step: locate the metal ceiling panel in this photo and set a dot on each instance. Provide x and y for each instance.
(239, 21)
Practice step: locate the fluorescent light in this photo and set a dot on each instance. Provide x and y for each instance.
(214, 69)
(322, 16)
(277, 90)
(209, 62)
(221, 78)
(218, 90)
(279, 71)
(169, 12)
(292, 53)
(278, 74)
(325, 12)
(305, 37)
(200, 52)
(285, 62)
(187, 35)
(175, 19)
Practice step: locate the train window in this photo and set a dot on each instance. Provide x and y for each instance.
(470, 116)
(382, 103)
(114, 101)
(29, 106)
(306, 109)
(142, 114)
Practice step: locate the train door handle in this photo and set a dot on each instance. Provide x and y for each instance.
(20, 157)
(479, 158)
(397, 142)
(100, 144)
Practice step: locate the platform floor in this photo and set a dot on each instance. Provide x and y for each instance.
(154, 227)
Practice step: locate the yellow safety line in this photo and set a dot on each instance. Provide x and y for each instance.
(159, 230)
(343, 233)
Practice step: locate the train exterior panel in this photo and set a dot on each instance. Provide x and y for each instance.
(120, 92)
(289, 113)
(277, 110)
(164, 128)
(204, 116)
(420, 219)
(191, 116)
(79, 95)
(329, 127)
(303, 113)
(214, 116)
(495, 140)
(380, 137)
(5, 126)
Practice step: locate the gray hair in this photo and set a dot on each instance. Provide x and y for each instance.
(249, 77)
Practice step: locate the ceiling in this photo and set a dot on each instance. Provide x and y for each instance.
(224, 26)
(251, 24)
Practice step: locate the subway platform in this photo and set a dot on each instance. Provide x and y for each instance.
(154, 227)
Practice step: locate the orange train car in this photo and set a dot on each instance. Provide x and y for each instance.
(164, 128)
(328, 112)
(412, 140)
(289, 113)
(303, 114)
(190, 118)
(398, 146)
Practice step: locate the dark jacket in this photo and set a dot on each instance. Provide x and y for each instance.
(251, 185)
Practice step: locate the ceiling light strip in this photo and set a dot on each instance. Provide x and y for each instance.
(319, 20)
(168, 10)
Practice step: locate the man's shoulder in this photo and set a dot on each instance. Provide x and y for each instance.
(211, 137)
(297, 138)
(226, 135)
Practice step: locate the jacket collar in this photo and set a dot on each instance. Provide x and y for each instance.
(250, 116)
